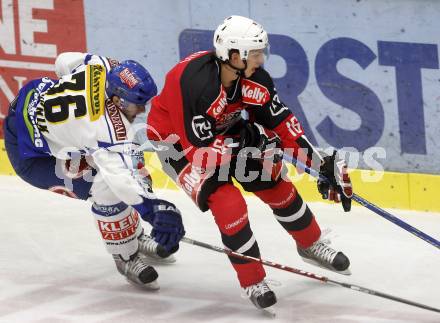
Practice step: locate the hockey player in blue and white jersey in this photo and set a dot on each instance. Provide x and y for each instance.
(84, 118)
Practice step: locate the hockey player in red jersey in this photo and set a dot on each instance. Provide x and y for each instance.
(219, 117)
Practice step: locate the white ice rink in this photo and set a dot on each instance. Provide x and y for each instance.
(54, 268)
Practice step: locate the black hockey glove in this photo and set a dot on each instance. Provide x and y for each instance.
(167, 225)
(264, 140)
(337, 184)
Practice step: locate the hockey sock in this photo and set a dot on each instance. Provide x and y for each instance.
(230, 212)
(292, 213)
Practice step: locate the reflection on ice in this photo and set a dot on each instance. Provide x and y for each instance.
(54, 268)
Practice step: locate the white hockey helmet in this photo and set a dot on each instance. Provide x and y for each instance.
(241, 33)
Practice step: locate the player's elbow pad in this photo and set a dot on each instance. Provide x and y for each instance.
(66, 62)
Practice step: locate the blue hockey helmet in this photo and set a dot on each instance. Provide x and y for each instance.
(132, 82)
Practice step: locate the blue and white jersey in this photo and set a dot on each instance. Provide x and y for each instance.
(69, 62)
(74, 114)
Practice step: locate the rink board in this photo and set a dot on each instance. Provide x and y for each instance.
(394, 190)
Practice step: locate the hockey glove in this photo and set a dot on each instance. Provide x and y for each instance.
(167, 225)
(334, 182)
(266, 141)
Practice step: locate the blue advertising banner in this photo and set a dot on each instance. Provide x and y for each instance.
(362, 76)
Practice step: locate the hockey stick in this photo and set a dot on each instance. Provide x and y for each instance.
(370, 206)
(308, 274)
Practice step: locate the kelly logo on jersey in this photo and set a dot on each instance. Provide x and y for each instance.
(191, 179)
(128, 78)
(254, 93)
(219, 105)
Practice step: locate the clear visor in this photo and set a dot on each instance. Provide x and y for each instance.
(260, 54)
(130, 109)
(125, 104)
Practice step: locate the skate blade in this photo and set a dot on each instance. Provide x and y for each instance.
(153, 286)
(269, 312)
(159, 261)
(345, 272)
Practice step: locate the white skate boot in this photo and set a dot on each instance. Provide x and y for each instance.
(260, 295)
(322, 255)
(137, 271)
(154, 251)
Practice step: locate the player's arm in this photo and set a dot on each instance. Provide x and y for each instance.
(275, 116)
(67, 62)
(133, 186)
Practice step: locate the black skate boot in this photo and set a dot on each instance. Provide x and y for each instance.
(137, 271)
(154, 251)
(322, 255)
(260, 295)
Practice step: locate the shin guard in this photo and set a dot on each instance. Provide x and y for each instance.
(230, 212)
(119, 226)
(292, 213)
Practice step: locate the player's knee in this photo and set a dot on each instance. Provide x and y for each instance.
(230, 212)
(242, 241)
(294, 216)
(287, 205)
(229, 209)
(63, 191)
(280, 196)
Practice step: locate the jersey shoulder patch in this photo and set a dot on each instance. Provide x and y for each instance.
(119, 132)
(96, 77)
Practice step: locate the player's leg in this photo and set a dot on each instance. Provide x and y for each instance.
(297, 219)
(229, 209)
(230, 213)
(120, 227)
(290, 210)
(46, 172)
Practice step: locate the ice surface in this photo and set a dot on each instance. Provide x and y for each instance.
(54, 268)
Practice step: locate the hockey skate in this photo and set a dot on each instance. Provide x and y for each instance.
(154, 251)
(322, 255)
(260, 295)
(137, 271)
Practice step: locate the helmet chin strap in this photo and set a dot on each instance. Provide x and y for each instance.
(238, 71)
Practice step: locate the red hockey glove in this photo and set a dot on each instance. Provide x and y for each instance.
(334, 182)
